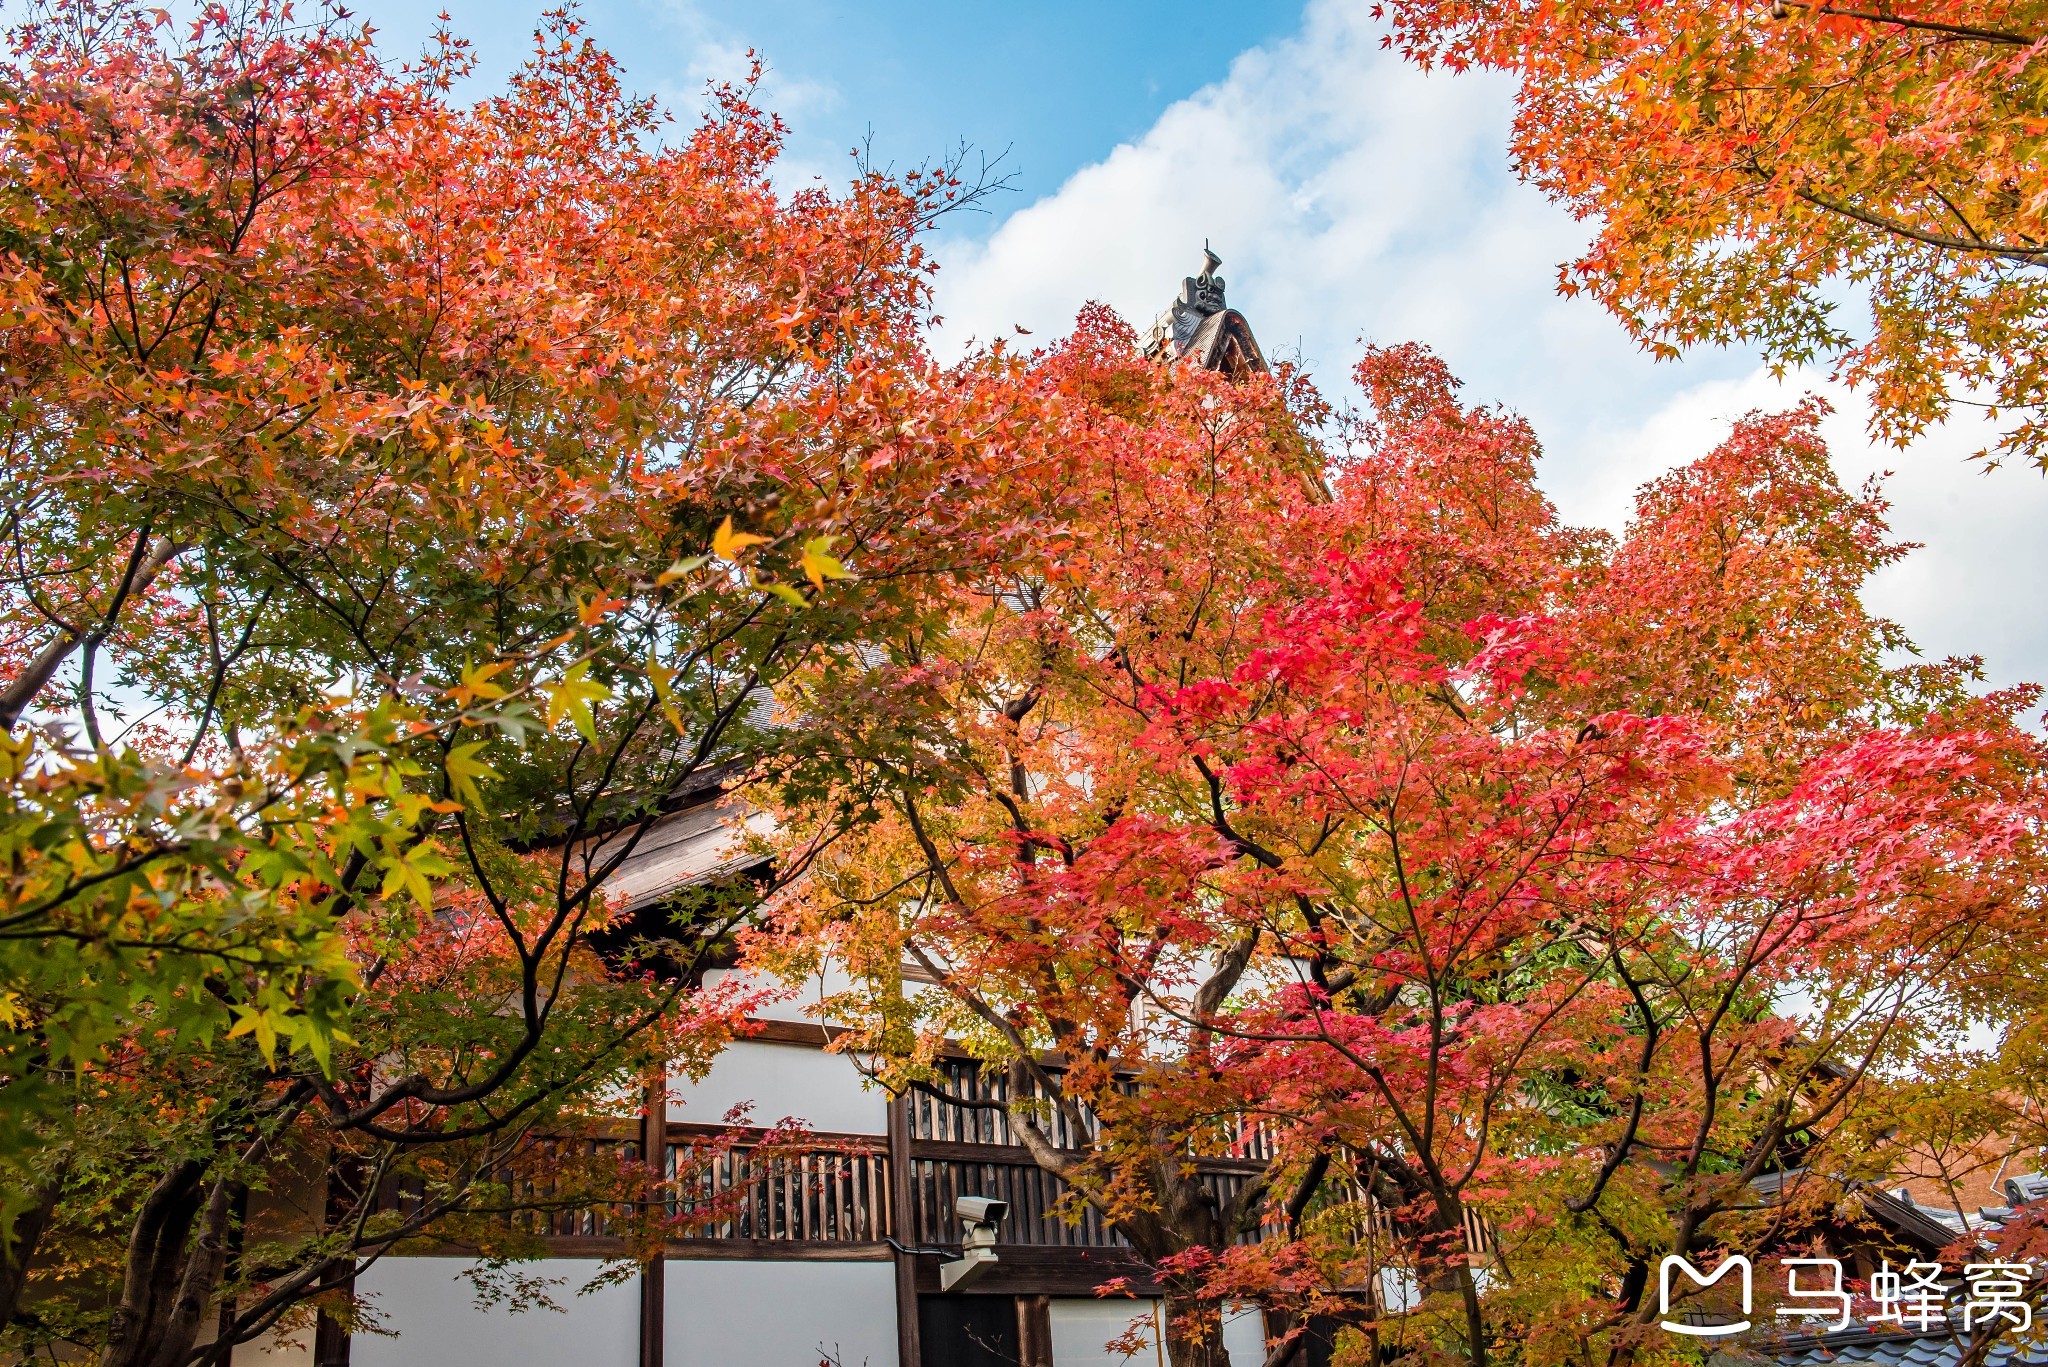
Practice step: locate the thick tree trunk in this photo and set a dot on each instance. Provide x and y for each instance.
(21, 1245)
(177, 1255)
(151, 1275)
(204, 1265)
(1194, 1333)
(1186, 1217)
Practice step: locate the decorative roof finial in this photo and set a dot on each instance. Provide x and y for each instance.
(1204, 293)
(1200, 324)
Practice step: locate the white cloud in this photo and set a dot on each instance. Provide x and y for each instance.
(1352, 195)
(1972, 587)
(1344, 189)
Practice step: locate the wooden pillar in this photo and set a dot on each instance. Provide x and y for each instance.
(1278, 1322)
(654, 1276)
(1034, 1331)
(346, 1188)
(903, 1224)
(330, 1340)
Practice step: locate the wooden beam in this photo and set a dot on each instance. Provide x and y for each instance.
(682, 1250)
(1043, 1270)
(776, 1251)
(1016, 1155)
(909, 1351)
(759, 1031)
(683, 1131)
(654, 1276)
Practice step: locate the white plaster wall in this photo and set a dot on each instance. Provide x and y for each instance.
(433, 1308)
(1244, 1334)
(798, 1000)
(1399, 1290)
(1081, 1328)
(823, 1090)
(788, 1314)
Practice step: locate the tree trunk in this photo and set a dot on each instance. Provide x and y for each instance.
(1194, 1333)
(1185, 1217)
(179, 1322)
(1475, 1317)
(151, 1275)
(21, 1245)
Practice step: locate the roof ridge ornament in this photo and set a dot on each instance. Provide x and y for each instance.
(1204, 292)
(1202, 325)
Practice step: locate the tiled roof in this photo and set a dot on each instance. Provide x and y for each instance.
(1922, 1223)
(1931, 1227)
(1940, 1348)
(2019, 1191)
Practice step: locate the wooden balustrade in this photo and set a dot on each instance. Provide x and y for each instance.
(837, 1194)
(746, 1197)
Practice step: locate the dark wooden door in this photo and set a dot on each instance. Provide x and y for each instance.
(968, 1331)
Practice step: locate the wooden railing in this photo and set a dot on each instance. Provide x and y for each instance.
(936, 1120)
(941, 1171)
(835, 1191)
(974, 1151)
(537, 1200)
(835, 1194)
(1037, 1213)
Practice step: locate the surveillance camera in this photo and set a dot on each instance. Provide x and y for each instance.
(980, 1210)
(977, 1242)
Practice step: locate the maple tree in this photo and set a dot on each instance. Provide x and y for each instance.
(1518, 893)
(1762, 172)
(1624, 925)
(407, 502)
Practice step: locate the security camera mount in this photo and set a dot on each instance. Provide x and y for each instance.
(978, 1217)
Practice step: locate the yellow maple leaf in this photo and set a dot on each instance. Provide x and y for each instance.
(727, 544)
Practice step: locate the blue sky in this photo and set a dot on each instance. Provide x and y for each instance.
(1058, 83)
(1350, 196)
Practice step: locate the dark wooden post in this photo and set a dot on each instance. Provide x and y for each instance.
(654, 1277)
(330, 1340)
(346, 1189)
(1034, 1331)
(904, 1226)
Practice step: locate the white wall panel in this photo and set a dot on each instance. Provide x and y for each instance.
(1081, 1328)
(1244, 1334)
(796, 1000)
(823, 1090)
(433, 1309)
(763, 1314)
